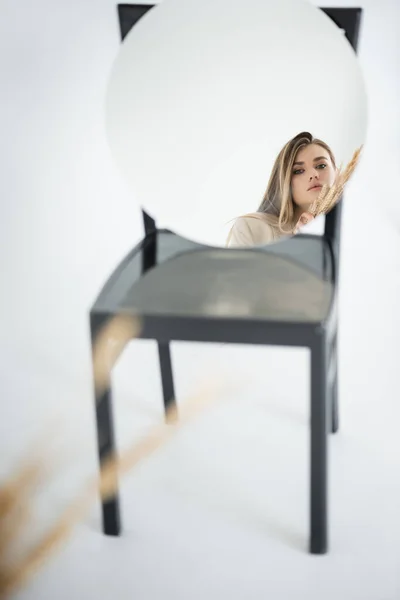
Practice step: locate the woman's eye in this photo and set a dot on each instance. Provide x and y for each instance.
(297, 171)
(323, 165)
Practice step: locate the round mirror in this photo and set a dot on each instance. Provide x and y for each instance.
(210, 106)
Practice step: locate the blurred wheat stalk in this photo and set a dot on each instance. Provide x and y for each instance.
(16, 493)
(329, 196)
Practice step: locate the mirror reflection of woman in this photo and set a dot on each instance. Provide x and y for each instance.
(300, 170)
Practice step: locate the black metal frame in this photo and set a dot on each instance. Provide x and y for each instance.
(321, 338)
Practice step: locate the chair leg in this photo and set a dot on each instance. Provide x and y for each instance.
(106, 445)
(319, 440)
(167, 379)
(335, 404)
(334, 390)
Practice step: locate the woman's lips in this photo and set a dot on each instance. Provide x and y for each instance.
(316, 187)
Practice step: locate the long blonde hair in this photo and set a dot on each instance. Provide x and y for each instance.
(278, 200)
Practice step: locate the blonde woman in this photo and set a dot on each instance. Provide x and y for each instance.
(301, 168)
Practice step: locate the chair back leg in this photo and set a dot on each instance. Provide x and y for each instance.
(335, 386)
(167, 381)
(332, 368)
(335, 400)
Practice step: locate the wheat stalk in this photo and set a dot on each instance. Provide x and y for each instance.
(14, 576)
(15, 496)
(329, 196)
(14, 507)
(109, 345)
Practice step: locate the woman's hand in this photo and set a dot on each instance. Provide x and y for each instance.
(305, 218)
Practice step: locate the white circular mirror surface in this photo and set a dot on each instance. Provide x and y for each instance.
(203, 95)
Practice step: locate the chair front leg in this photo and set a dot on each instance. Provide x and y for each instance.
(319, 440)
(105, 440)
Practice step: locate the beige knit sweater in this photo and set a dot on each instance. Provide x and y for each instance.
(254, 229)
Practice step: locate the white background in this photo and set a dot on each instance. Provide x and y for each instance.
(66, 221)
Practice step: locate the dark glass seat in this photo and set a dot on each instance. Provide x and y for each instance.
(290, 281)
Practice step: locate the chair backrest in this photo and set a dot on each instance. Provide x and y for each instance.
(348, 19)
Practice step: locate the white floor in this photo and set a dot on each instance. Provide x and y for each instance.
(222, 510)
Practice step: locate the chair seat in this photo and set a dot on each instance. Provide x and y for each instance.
(289, 281)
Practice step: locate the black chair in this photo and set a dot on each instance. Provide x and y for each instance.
(175, 285)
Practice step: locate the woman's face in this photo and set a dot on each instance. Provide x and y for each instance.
(311, 170)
